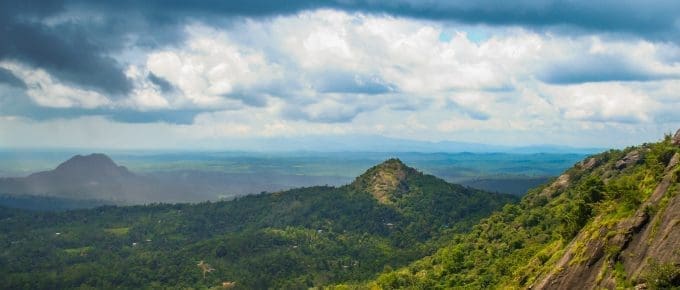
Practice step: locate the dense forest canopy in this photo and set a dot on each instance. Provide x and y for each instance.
(292, 239)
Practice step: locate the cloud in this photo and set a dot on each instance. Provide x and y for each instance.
(595, 70)
(404, 69)
(352, 83)
(600, 68)
(607, 102)
(15, 104)
(67, 50)
(8, 78)
(165, 86)
(47, 92)
(330, 109)
(80, 41)
(472, 105)
(329, 66)
(210, 69)
(641, 18)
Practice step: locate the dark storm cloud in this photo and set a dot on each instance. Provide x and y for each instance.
(598, 69)
(7, 77)
(643, 18)
(71, 50)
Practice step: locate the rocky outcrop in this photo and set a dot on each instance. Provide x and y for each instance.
(676, 138)
(385, 181)
(651, 235)
(589, 163)
(557, 186)
(632, 158)
(659, 240)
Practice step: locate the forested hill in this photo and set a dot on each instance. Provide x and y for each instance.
(294, 239)
(611, 221)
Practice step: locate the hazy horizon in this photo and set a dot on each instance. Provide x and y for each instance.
(329, 144)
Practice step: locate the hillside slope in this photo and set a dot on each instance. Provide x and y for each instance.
(611, 221)
(286, 240)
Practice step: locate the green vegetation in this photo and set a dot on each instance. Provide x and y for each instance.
(118, 231)
(663, 276)
(393, 227)
(293, 239)
(516, 246)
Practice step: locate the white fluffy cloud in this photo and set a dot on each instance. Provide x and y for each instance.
(612, 102)
(330, 72)
(210, 70)
(46, 91)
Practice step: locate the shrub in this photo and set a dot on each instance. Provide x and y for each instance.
(663, 276)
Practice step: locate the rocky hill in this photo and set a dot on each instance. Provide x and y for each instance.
(631, 250)
(387, 181)
(611, 221)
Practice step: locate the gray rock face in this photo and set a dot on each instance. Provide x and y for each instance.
(646, 238)
(676, 138)
(589, 163)
(630, 159)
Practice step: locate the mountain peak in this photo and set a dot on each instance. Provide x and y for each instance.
(96, 165)
(98, 159)
(385, 180)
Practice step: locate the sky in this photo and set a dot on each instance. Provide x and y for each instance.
(224, 74)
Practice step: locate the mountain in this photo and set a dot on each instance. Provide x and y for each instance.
(96, 177)
(386, 182)
(611, 221)
(377, 143)
(95, 167)
(293, 239)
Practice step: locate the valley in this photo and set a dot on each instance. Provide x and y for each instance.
(149, 177)
(298, 238)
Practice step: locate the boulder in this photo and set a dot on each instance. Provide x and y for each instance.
(589, 163)
(631, 158)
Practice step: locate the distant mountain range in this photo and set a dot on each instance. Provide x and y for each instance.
(86, 180)
(372, 143)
